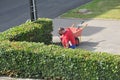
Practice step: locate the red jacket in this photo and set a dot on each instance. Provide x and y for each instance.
(67, 36)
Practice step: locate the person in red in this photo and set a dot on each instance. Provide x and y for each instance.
(67, 38)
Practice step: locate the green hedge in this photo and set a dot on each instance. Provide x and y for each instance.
(36, 60)
(21, 56)
(39, 31)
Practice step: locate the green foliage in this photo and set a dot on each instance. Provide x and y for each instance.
(21, 56)
(39, 31)
(99, 9)
(36, 60)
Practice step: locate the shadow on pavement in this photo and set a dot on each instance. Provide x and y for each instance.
(91, 30)
(89, 45)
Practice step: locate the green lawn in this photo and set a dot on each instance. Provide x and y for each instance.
(101, 9)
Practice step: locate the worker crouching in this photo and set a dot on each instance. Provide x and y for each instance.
(67, 38)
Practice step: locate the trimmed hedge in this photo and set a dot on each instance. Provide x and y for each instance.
(36, 60)
(29, 59)
(39, 31)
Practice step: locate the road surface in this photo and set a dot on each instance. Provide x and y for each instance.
(15, 12)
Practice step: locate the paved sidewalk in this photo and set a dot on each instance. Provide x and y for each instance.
(9, 78)
(100, 35)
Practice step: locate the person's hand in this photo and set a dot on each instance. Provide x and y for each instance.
(67, 45)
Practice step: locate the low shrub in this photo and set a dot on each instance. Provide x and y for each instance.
(39, 31)
(21, 56)
(36, 60)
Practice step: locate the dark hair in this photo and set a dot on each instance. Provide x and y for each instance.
(60, 29)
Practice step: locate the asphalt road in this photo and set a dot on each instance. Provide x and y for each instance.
(16, 12)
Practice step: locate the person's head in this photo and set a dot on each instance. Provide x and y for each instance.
(61, 31)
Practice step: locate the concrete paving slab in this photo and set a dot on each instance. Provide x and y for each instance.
(9, 78)
(99, 36)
